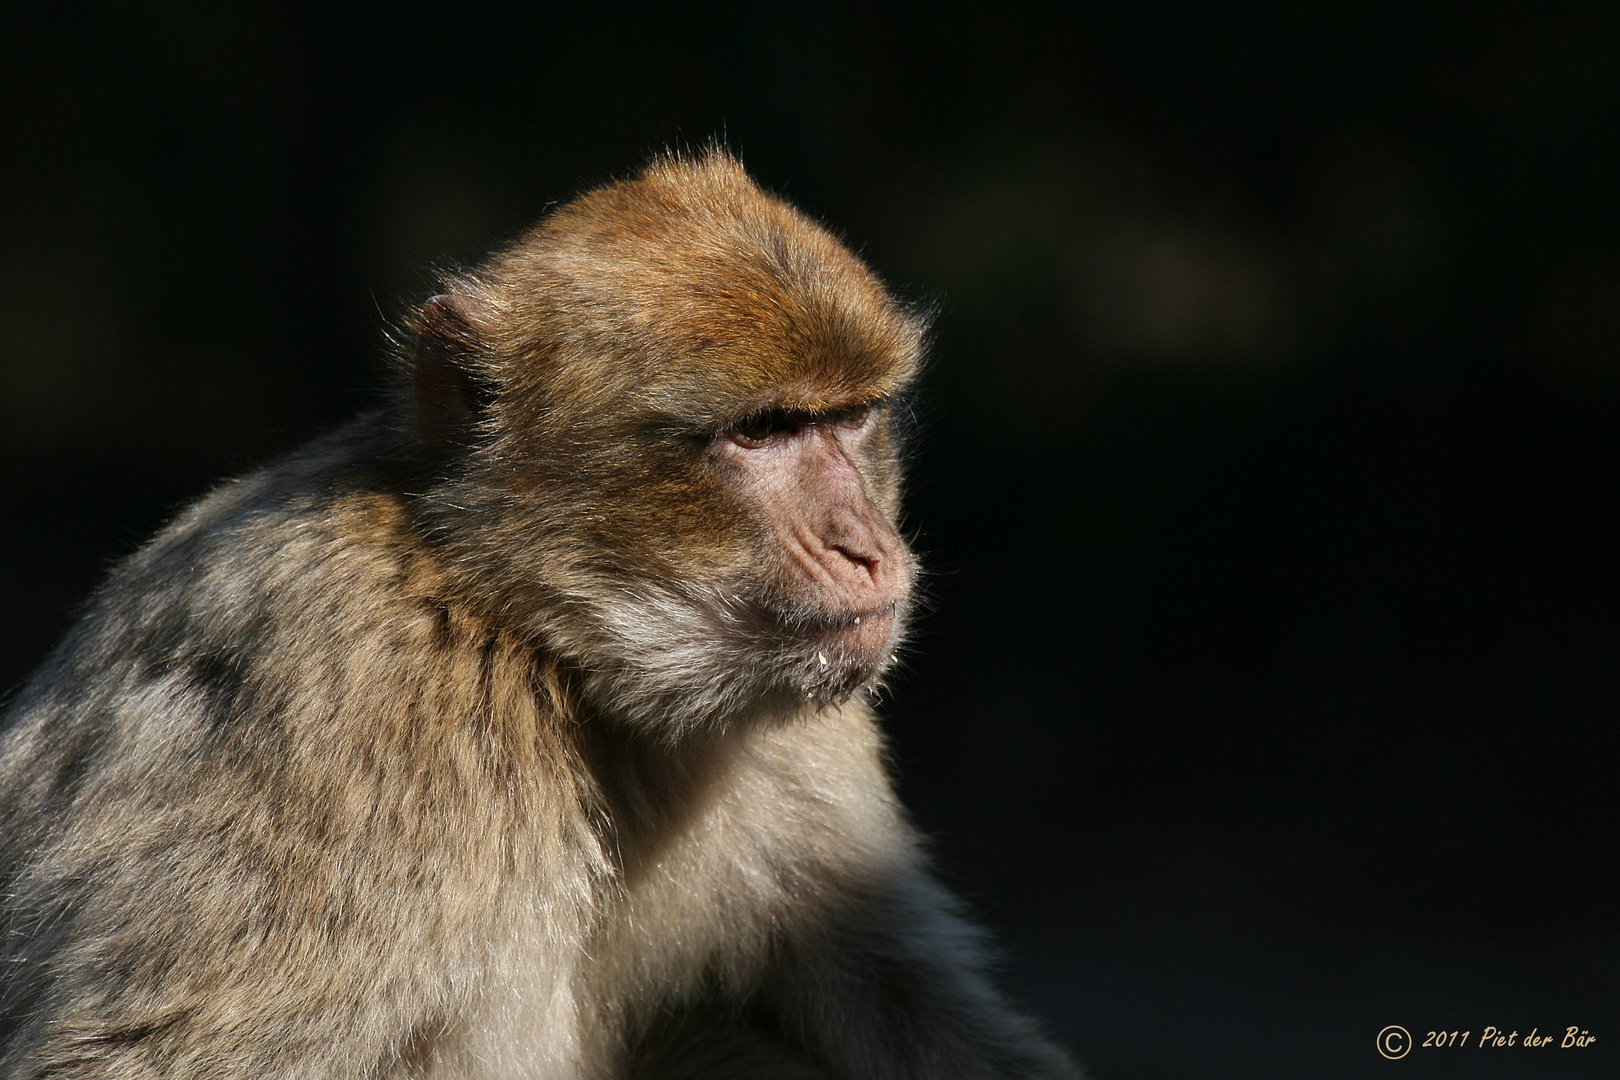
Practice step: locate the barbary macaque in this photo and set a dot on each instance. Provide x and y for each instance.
(519, 728)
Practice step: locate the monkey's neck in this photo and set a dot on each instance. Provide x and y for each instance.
(640, 789)
(650, 789)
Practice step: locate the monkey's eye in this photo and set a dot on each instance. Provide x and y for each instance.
(761, 427)
(854, 418)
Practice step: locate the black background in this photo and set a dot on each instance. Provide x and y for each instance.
(1269, 690)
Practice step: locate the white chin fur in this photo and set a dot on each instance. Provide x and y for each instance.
(679, 661)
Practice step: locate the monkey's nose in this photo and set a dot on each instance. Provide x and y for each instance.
(865, 577)
(866, 562)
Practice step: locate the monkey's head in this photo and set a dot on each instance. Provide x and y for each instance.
(667, 416)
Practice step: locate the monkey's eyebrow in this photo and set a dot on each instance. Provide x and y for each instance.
(800, 417)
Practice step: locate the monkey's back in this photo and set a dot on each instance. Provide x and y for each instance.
(240, 792)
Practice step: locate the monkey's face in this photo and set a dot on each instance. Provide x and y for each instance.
(680, 464)
(833, 572)
(704, 568)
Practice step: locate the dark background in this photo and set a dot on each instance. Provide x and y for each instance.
(1268, 697)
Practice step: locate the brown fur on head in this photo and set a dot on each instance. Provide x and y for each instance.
(670, 455)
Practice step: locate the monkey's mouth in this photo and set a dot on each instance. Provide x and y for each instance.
(868, 635)
(828, 653)
(849, 649)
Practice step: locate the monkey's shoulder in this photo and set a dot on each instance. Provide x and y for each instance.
(294, 596)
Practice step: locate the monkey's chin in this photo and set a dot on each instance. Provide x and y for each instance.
(866, 641)
(849, 653)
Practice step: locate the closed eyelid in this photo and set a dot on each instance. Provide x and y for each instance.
(764, 424)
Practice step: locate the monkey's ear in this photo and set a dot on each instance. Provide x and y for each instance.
(451, 395)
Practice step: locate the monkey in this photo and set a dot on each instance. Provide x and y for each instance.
(523, 726)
